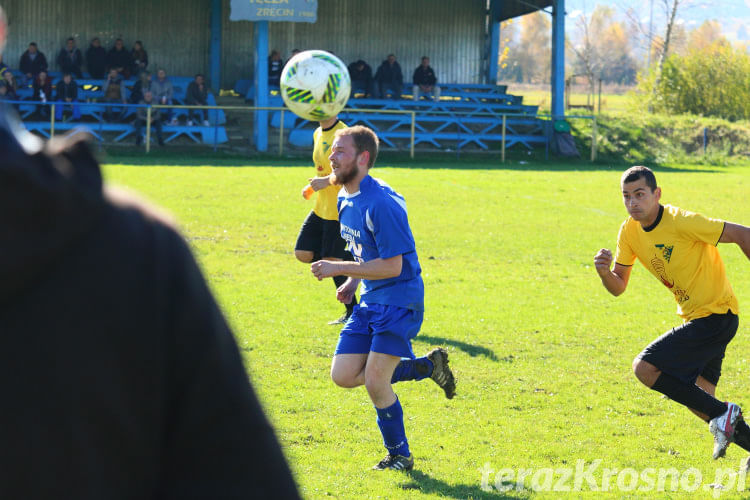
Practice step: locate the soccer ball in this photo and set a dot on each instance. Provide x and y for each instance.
(315, 85)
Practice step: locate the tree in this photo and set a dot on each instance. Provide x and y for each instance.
(531, 57)
(705, 35)
(602, 48)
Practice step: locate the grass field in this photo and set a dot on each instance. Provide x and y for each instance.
(542, 353)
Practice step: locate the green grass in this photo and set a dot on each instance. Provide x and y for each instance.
(610, 103)
(542, 353)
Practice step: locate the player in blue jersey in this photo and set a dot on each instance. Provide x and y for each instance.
(374, 347)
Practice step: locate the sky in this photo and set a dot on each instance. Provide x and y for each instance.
(733, 15)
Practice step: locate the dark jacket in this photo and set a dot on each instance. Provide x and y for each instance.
(35, 66)
(70, 62)
(424, 76)
(119, 59)
(390, 74)
(45, 87)
(66, 91)
(363, 75)
(123, 377)
(139, 56)
(274, 71)
(96, 61)
(139, 88)
(195, 95)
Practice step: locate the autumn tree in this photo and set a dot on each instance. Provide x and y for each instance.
(528, 57)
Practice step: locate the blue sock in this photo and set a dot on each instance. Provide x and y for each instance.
(391, 423)
(412, 369)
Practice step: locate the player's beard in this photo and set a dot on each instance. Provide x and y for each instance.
(344, 176)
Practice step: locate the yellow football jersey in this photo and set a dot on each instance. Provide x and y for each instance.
(680, 250)
(325, 204)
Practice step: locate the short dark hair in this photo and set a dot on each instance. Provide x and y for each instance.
(201, 75)
(32, 44)
(640, 172)
(71, 39)
(364, 140)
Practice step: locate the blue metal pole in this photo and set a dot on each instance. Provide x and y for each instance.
(261, 85)
(558, 59)
(492, 69)
(494, 53)
(215, 48)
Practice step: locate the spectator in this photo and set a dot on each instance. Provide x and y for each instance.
(141, 117)
(361, 76)
(114, 93)
(3, 68)
(127, 382)
(141, 85)
(275, 65)
(11, 86)
(389, 78)
(424, 80)
(119, 58)
(70, 59)
(294, 53)
(42, 91)
(139, 57)
(4, 91)
(67, 95)
(32, 62)
(96, 59)
(197, 95)
(163, 92)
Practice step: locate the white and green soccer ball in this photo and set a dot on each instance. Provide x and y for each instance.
(315, 85)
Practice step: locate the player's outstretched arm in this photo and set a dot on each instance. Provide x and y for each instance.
(736, 233)
(614, 280)
(376, 269)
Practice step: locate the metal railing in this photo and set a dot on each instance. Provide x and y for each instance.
(283, 110)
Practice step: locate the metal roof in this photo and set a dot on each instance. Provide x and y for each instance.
(507, 9)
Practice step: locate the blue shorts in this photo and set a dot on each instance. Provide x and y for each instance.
(380, 328)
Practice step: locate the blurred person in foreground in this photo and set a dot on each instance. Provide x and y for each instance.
(119, 374)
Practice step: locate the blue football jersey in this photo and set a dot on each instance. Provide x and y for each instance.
(375, 225)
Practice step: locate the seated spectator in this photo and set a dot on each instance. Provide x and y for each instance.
(163, 92)
(141, 85)
(119, 58)
(424, 80)
(67, 96)
(275, 65)
(70, 59)
(361, 76)
(9, 80)
(3, 67)
(294, 53)
(4, 92)
(389, 79)
(32, 63)
(42, 92)
(197, 95)
(96, 59)
(142, 115)
(114, 93)
(139, 57)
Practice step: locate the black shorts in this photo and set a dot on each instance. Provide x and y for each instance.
(322, 237)
(694, 348)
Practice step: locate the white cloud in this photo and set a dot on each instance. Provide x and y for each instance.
(578, 12)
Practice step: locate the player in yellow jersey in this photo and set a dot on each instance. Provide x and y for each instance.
(320, 236)
(679, 248)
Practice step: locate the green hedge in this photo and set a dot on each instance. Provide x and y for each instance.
(659, 138)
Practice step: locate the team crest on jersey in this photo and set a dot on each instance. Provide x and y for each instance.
(666, 251)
